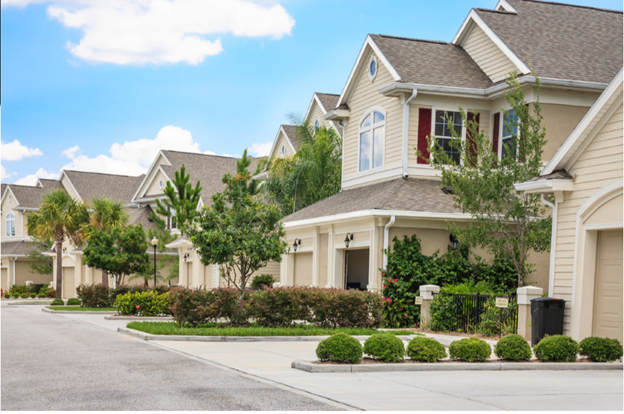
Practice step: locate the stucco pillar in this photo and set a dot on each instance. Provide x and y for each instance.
(426, 292)
(316, 258)
(525, 294)
(330, 258)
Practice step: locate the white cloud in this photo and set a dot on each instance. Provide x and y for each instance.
(137, 32)
(32, 178)
(14, 151)
(4, 173)
(261, 150)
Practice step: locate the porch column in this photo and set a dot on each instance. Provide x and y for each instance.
(426, 292)
(525, 294)
(330, 258)
(373, 260)
(316, 258)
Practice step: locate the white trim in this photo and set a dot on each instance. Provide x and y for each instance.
(605, 226)
(600, 197)
(371, 112)
(445, 109)
(406, 116)
(545, 186)
(505, 6)
(337, 114)
(368, 42)
(283, 131)
(6, 190)
(570, 143)
(149, 170)
(373, 58)
(387, 240)
(316, 99)
(70, 183)
(372, 175)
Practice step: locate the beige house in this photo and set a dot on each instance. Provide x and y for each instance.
(397, 94)
(585, 178)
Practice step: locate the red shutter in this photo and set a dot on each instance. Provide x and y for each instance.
(472, 145)
(495, 133)
(424, 129)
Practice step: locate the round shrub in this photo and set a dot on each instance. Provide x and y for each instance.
(32, 295)
(601, 349)
(340, 348)
(57, 302)
(7, 296)
(513, 348)
(385, 346)
(559, 348)
(425, 349)
(470, 349)
(73, 301)
(262, 280)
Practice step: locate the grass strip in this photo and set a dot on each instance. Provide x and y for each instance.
(81, 309)
(171, 328)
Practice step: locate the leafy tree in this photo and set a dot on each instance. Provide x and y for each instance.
(59, 218)
(120, 252)
(239, 231)
(312, 174)
(507, 222)
(182, 199)
(40, 263)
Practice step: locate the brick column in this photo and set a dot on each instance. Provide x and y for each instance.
(525, 294)
(426, 292)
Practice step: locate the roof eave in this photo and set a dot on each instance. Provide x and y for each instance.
(545, 186)
(337, 114)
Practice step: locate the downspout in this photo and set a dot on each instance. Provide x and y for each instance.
(386, 240)
(553, 238)
(406, 114)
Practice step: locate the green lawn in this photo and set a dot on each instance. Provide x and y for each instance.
(171, 328)
(81, 309)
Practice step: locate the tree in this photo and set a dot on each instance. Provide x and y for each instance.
(253, 186)
(507, 223)
(312, 174)
(239, 232)
(120, 252)
(58, 218)
(182, 199)
(40, 263)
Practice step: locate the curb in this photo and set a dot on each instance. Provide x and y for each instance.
(80, 312)
(27, 304)
(197, 338)
(460, 366)
(138, 318)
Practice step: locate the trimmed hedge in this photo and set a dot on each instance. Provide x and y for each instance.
(470, 350)
(143, 303)
(263, 280)
(73, 301)
(385, 347)
(58, 302)
(601, 349)
(425, 349)
(101, 296)
(558, 348)
(340, 348)
(513, 348)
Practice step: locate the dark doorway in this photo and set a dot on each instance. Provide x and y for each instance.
(356, 269)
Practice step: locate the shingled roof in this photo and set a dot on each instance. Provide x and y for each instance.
(562, 41)
(431, 62)
(293, 136)
(28, 196)
(91, 185)
(142, 216)
(403, 194)
(328, 100)
(18, 248)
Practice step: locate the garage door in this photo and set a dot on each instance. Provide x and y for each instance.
(303, 269)
(69, 290)
(5, 277)
(608, 293)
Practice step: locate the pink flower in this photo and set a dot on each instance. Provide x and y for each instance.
(137, 306)
(396, 280)
(389, 300)
(404, 316)
(384, 285)
(415, 325)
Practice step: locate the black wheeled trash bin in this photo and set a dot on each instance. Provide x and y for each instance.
(546, 318)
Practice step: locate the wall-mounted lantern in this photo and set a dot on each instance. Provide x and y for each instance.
(348, 239)
(64, 250)
(186, 256)
(454, 242)
(296, 244)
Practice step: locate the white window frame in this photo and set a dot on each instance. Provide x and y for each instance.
(161, 184)
(10, 218)
(283, 150)
(501, 128)
(433, 117)
(371, 60)
(368, 112)
(317, 126)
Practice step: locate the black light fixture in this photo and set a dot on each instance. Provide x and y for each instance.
(454, 242)
(186, 256)
(64, 250)
(154, 243)
(348, 239)
(296, 244)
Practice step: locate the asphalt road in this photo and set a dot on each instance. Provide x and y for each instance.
(53, 363)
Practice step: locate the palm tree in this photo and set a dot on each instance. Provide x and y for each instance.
(59, 218)
(106, 214)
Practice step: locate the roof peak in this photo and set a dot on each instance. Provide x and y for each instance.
(554, 3)
(101, 173)
(204, 154)
(323, 93)
(441, 42)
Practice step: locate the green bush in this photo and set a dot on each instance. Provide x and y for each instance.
(73, 301)
(32, 295)
(513, 348)
(57, 302)
(385, 346)
(7, 295)
(101, 296)
(340, 348)
(470, 350)
(47, 292)
(601, 349)
(143, 303)
(425, 349)
(559, 348)
(263, 280)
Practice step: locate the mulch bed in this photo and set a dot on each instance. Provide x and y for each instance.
(366, 360)
(464, 334)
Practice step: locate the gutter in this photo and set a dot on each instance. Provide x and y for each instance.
(387, 241)
(545, 186)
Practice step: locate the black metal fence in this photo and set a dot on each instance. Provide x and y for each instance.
(469, 311)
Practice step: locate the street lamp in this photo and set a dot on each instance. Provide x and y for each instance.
(154, 243)
(348, 239)
(454, 242)
(296, 244)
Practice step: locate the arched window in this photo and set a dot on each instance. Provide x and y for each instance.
(283, 150)
(161, 184)
(10, 224)
(372, 137)
(317, 126)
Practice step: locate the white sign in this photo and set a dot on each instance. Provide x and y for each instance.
(502, 303)
(418, 300)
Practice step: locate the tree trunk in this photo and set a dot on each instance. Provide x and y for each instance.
(59, 269)
(105, 278)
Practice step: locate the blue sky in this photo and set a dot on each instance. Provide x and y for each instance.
(97, 88)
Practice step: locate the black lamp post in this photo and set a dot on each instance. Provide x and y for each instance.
(454, 242)
(296, 244)
(154, 243)
(348, 239)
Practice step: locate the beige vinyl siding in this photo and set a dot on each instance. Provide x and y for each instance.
(272, 268)
(7, 208)
(303, 269)
(487, 55)
(282, 140)
(69, 188)
(317, 113)
(154, 186)
(599, 165)
(559, 122)
(365, 95)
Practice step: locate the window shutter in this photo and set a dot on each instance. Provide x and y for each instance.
(495, 133)
(472, 145)
(424, 129)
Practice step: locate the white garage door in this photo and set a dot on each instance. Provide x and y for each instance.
(608, 293)
(303, 269)
(68, 282)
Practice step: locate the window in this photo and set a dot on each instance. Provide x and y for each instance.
(317, 126)
(10, 224)
(372, 68)
(283, 150)
(510, 130)
(160, 184)
(372, 134)
(10, 198)
(443, 132)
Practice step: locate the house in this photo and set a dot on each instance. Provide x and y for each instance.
(398, 93)
(585, 178)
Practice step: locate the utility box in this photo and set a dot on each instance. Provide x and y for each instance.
(546, 318)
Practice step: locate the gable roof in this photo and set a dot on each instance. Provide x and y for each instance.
(28, 196)
(561, 41)
(91, 185)
(328, 100)
(50, 184)
(290, 132)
